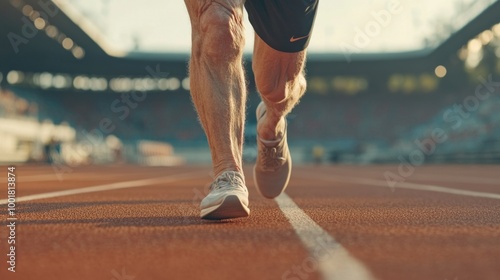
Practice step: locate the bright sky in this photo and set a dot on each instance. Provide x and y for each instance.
(163, 26)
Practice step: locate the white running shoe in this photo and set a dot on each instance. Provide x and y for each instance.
(274, 163)
(228, 198)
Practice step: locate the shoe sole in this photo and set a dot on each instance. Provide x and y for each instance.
(230, 208)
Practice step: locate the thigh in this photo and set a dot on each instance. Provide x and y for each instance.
(285, 25)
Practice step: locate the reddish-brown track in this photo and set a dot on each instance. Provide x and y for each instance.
(154, 232)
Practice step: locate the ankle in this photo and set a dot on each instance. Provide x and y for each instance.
(271, 129)
(221, 169)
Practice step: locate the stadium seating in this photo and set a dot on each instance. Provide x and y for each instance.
(388, 123)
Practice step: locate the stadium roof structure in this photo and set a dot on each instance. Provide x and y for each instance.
(42, 38)
(39, 50)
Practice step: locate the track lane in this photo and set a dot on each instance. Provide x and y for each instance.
(406, 234)
(447, 176)
(152, 232)
(90, 176)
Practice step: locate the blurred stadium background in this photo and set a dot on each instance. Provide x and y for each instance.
(67, 97)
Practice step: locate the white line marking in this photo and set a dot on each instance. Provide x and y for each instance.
(456, 179)
(107, 187)
(333, 260)
(433, 177)
(403, 185)
(53, 177)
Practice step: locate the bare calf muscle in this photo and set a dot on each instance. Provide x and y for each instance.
(219, 94)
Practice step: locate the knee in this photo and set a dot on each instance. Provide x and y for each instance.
(219, 35)
(281, 88)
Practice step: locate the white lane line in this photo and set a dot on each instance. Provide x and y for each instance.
(457, 179)
(402, 185)
(431, 177)
(333, 261)
(54, 177)
(107, 187)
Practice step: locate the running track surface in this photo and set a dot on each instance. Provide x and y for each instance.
(336, 222)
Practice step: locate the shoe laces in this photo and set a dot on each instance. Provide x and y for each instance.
(227, 180)
(272, 158)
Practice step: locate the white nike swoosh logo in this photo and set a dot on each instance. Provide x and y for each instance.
(293, 39)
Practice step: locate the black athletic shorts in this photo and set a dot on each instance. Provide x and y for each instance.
(285, 25)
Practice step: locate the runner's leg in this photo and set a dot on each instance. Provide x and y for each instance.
(217, 77)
